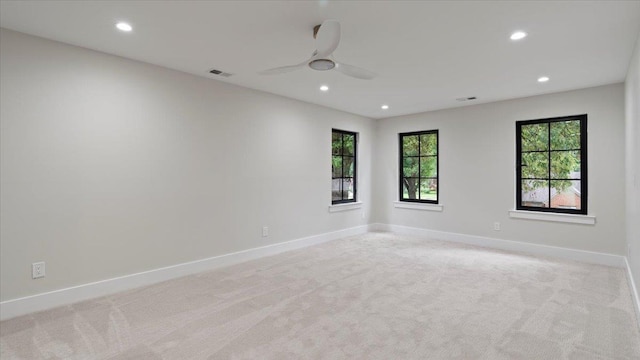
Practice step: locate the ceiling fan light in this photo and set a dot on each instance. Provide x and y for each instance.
(322, 64)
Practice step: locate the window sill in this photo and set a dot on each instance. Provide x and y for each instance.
(345, 206)
(565, 218)
(417, 206)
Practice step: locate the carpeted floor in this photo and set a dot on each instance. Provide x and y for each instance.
(374, 296)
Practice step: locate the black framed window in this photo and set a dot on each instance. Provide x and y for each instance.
(551, 163)
(419, 166)
(343, 166)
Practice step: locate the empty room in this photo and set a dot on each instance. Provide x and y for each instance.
(319, 180)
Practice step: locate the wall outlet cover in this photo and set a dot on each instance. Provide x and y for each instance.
(38, 270)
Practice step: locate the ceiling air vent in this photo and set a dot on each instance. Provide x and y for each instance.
(466, 98)
(220, 73)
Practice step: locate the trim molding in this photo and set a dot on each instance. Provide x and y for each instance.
(70, 295)
(48, 300)
(635, 297)
(417, 206)
(556, 217)
(517, 246)
(345, 206)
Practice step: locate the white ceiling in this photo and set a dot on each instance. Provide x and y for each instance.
(427, 53)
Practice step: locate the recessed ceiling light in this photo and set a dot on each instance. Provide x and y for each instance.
(324, 88)
(518, 35)
(384, 107)
(123, 26)
(543, 79)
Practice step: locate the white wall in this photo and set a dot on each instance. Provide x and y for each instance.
(477, 176)
(632, 131)
(111, 167)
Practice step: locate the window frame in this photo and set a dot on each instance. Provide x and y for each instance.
(582, 118)
(355, 167)
(401, 162)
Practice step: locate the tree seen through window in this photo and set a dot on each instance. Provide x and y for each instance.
(552, 164)
(343, 166)
(419, 166)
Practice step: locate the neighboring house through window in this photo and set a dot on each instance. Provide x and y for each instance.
(551, 163)
(343, 166)
(419, 166)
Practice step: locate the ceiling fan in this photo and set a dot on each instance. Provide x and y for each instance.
(327, 37)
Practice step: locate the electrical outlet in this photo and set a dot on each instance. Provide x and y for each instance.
(37, 270)
(496, 226)
(265, 231)
(363, 214)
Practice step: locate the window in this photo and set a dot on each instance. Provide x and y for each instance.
(343, 166)
(419, 166)
(551, 163)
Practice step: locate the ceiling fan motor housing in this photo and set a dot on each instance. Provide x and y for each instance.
(322, 64)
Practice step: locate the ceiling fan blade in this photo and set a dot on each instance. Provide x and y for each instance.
(327, 38)
(283, 69)
(356, 72)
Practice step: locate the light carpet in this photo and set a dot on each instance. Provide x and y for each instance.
(374, 296)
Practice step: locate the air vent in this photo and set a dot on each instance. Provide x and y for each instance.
(467, 98)
(220, 73)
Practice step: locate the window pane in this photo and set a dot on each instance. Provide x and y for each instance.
(428, 144)
(349, 144)
(565, 135)
(410, 145)
(552, 174)
(343, 166)
(535, 137)
(336, 193)
(348, 166)
(336, 166)
(419, 166)
(428, 189)
(409, 188)
(410, 167)
(535, 193)
(565, 194)
(535, 165)
(347, 189)
(336, 143)
(565, 165)
(428, 166)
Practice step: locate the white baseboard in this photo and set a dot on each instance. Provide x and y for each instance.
(522, 247)
(48, 300)
(634, 291)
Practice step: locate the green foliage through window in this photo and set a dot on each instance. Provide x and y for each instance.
(343, 166)
(419, 166)
(551, 164)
